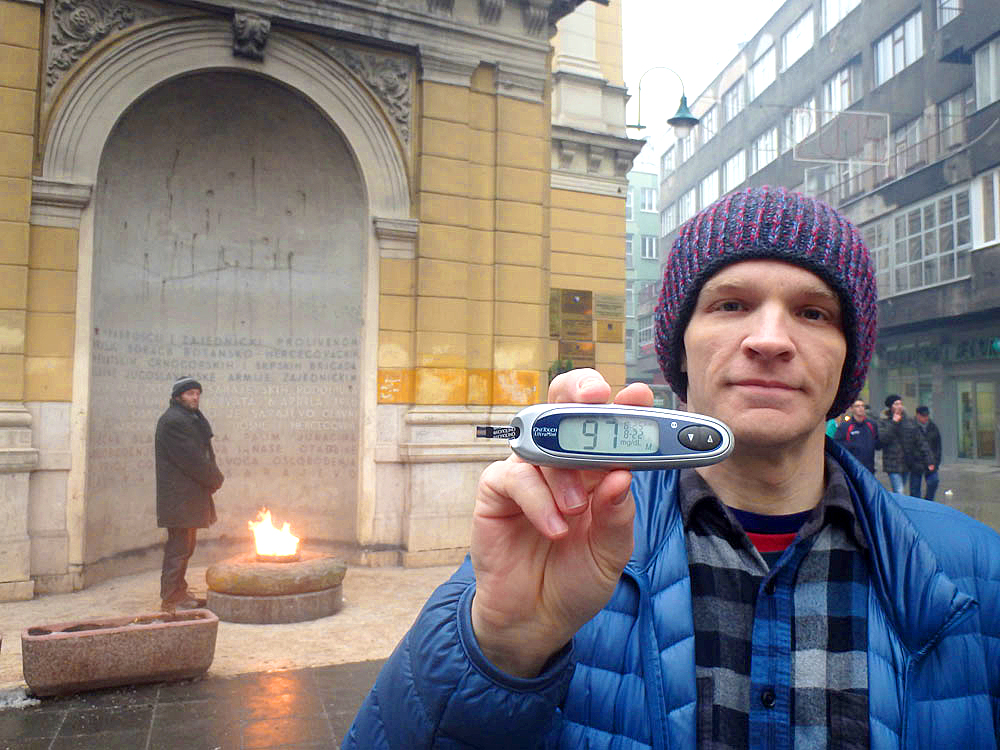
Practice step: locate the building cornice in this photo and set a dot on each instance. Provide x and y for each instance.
(591, 162)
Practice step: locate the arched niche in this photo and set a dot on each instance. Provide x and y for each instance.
(94, 100)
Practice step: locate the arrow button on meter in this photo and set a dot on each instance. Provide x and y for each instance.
(699, 438)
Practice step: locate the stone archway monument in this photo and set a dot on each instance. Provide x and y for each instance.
(230, 244)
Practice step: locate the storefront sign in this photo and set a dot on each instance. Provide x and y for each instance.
(963, 350)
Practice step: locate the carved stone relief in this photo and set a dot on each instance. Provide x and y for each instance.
(77, 25)
(490, 11)
(535, 17)
(250, 33)
(388, 78)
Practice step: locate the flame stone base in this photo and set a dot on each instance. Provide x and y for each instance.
(276, 608)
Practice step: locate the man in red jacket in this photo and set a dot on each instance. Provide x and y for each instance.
(859, 435)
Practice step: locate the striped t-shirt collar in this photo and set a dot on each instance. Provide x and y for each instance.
(834, 507)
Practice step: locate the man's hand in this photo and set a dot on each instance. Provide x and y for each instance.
(548, 545)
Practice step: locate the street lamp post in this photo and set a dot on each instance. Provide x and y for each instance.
(682, 121)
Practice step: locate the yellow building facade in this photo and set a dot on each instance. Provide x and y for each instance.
(365, 229)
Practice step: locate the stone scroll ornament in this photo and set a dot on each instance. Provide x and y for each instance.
(250, 33)
(536, 16)
(388, 78)
(77, 25)
(490, 11)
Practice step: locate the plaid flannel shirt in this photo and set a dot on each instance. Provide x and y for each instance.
(782, 653)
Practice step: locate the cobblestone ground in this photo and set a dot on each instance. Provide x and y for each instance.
(380, 604)
(975, 490)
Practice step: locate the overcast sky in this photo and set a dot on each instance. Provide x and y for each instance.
(696, 39)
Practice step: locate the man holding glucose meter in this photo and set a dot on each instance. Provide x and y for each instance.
(735, 580)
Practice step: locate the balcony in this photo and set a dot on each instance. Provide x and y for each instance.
(840, 183)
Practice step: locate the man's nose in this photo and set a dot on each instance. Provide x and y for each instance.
(769, 333)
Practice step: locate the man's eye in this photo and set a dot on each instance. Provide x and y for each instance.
(813, 313)
(729, 306)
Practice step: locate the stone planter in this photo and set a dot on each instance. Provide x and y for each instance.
(72, 656)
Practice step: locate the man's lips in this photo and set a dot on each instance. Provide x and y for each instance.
(766, 384)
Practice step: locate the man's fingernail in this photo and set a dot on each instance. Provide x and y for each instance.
(557, 525)
(622, 498)
(575, 498)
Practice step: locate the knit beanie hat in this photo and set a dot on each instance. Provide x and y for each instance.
(891, 399)
(185, 383)
(769, 223)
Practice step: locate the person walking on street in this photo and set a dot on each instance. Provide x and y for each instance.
(904, 448)
(781, 598)
(933, 437)
(859, 435)
(186, 478)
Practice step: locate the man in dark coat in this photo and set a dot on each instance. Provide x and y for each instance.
(859, 435)
(933, 437)
(186, 477)
(904, 448)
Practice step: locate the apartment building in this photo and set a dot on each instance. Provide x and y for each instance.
(887, 110)
(642, 265)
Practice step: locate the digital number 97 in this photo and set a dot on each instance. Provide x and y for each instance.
(590, 428)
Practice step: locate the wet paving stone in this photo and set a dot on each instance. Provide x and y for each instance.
(293, 710)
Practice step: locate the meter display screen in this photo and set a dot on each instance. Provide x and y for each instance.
(609, 434)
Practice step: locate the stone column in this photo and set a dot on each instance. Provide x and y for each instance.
(17, 459)
(20, 25)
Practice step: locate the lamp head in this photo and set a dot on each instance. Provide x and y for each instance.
(683, 121)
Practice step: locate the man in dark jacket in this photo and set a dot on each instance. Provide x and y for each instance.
(859, 435)
(933, 437)
(904, 448)
(186, 477)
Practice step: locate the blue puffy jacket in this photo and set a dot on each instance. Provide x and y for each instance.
(627, 681)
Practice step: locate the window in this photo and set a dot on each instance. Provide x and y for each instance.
(925, 244)
(908, 147)
(764, 150)
(648, 247)
(667, 161)
(797, 40)
(686, 205)
(709, 124)
(988, 73)
(841, 90)
(762, 74)
(989, 209)
(647, 199)
(628, 205)
(629, 299)
(902, 46)
(628, 251)
(798, 124)
(734, 171)
(948, 10)
(685, 147)
(834, 11)
(708, 189)
(931, 242)
(732, 101)
(668, 219)
(951, 118)
(876, 236)
(645, 330)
